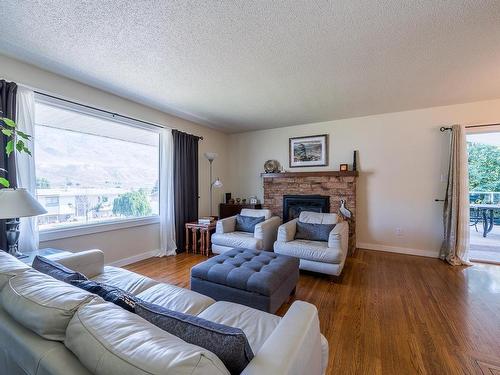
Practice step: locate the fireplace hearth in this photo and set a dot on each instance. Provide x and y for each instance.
(293, 205)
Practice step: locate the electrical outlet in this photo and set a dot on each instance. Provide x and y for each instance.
(399, 232)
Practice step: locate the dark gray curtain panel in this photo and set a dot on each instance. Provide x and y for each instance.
(7, 109)
(185, 183)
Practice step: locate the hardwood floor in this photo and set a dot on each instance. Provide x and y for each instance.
(391, 313)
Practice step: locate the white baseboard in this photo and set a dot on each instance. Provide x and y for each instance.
(397, 249)
(133, 259)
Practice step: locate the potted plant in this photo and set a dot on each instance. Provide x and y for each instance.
(16, 141)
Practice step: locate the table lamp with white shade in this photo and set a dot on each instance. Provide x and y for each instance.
(213, 184)
(16, 203)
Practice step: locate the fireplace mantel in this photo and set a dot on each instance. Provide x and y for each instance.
(311, 174)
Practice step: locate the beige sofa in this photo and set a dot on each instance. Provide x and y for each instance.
(48, 327)
(317, 256)
(227, 238)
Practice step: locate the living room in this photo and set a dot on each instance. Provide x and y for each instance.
(191, 108)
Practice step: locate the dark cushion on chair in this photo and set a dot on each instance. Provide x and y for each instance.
(247, 223)
(256, 271)
(229, 344)
(313, 232)
(56, 270)
(109, 293)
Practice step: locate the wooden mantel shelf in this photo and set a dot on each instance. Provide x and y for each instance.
(311, 174)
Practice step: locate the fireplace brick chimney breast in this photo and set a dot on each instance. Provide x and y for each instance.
(336, 185)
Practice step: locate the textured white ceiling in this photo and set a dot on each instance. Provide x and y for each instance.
(241, 65)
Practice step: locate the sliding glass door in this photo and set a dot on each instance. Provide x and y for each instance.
(484, 191)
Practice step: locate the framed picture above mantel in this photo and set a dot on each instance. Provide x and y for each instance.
(310, 151)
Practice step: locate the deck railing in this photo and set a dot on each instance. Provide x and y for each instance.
(485, 197)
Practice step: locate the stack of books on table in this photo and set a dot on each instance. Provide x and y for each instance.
(206, 220)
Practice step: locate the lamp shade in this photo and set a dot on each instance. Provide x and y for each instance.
(16, 203)
(210, 156)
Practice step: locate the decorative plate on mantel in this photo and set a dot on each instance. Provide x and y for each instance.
(272, 166)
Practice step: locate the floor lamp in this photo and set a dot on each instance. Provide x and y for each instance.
(213, 184)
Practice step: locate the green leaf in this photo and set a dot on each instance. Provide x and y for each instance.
(9, 148)
(23, 135)
(4, 182)
(484, 169)
(27, 150)
(7, 132)
(20, 146)
(9, 122)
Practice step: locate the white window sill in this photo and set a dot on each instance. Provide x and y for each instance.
(83, 230)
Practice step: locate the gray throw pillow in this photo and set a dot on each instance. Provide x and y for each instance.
(56, 270)
(228, 343)
(248, 223)
(313, 232)
(109, 293)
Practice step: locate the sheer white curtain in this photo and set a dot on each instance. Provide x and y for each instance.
(167, 219)
(25, 165)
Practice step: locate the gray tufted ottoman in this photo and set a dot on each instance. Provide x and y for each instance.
(259, 279)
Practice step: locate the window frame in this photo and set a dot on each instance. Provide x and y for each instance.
(111, 225)
(52, 204)
(83, 230)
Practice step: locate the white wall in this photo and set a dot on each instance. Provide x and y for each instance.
(402, 157)
(126, 242)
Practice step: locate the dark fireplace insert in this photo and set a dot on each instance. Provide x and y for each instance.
(293, 205)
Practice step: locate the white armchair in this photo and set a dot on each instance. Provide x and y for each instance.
(226, 237)
(317, 256)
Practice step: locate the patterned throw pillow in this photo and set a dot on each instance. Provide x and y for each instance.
(313, 232)
(56, 270)
(109, 293)
(228, 343)
(247, 223)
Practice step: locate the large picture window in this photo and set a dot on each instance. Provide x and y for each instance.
(93, 170)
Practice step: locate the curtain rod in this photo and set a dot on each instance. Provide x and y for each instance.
(481, 126)
(108, 112)
(444, 128)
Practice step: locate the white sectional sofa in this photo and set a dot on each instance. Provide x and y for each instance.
(48, 327)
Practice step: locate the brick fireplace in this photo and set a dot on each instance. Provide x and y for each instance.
(336, 185)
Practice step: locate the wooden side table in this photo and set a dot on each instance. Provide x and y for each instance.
(195, 231)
